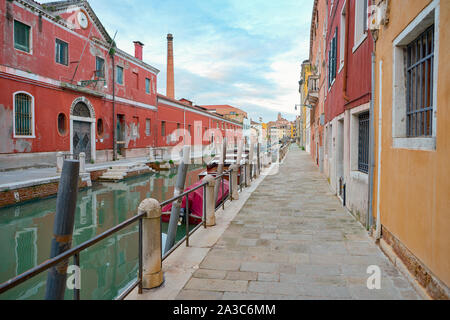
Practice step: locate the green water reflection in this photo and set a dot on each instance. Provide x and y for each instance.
(107, 267)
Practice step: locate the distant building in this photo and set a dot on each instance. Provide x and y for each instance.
(228, 112)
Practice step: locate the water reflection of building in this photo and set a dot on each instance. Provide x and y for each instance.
(26, 234)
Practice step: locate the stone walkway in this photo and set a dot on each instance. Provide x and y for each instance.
(294, 240)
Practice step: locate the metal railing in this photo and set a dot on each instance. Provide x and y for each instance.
(75, 252)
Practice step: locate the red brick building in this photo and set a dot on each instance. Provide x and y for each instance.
(56, 74)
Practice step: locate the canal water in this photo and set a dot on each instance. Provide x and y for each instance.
(108, 267)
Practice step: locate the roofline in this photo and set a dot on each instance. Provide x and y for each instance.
(50, 15)
(197, 108)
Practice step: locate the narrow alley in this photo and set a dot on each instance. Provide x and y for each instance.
(293, 239)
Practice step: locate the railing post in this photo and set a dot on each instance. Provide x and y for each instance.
(234, 186)
(82, 157)
(59, 162)
(258, 162)
(151, 244)
(210, 201)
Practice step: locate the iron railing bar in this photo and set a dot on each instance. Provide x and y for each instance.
(186, 216)
(76, 291)
(128, 290)
(140, 257)
(181, 195)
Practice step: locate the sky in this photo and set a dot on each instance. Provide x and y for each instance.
(244, 53)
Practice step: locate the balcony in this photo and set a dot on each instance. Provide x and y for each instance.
(313, 89)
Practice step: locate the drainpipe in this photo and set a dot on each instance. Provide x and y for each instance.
(112, 52)
(369, 220)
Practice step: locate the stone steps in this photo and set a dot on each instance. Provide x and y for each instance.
(122, 171)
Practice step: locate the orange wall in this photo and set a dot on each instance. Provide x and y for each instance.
(415, 185)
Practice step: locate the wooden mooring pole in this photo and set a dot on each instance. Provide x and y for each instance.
(63, 228)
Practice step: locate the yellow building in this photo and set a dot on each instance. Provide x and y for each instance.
(305, 113)
(411, 194)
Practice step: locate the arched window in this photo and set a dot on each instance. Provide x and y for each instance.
(23, 115)
(81, 110)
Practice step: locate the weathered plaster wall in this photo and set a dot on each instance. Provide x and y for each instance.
(415, 185)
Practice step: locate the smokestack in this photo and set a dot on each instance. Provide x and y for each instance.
(170, 87)
(138, 46)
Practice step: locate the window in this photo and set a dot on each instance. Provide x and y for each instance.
(100, 128)
(23, 115)
(81, 110)
(61, 52)
(342, 38)
(147, 127)
(360, 23)
(119, 75)
(415, 72)
(163, 128)
(332, 60)
(22, 36)
(99, 67)
(147, 85)
(178, 126)
(419, 85)
(363, 143)
(189, 128)
(62, 127)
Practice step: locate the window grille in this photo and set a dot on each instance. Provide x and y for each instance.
(363, 143)
(419, 84)
(81, 110)
(23, 115)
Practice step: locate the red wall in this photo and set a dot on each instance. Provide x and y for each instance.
(358, 67)
(39, 75)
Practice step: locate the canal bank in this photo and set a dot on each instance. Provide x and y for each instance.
(22, 185)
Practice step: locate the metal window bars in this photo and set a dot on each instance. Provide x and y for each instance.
(363, 143)
(23, 115)
(419, 84)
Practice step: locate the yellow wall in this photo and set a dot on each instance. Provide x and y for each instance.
(415, 185)
(306, 72)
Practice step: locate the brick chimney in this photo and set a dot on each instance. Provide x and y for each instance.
(138, 46)
(170, 87)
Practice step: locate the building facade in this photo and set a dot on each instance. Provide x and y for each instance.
(305, 113)
(228, 112)
(412, 147)
(66, 87)
(349, 48)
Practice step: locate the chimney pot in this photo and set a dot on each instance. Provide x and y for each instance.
(138, 48)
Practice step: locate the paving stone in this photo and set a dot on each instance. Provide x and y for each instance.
(259, 266)
(216, 285)
(241, 275)
(209, 274)
(271, 277)
(220, 264)
(199, 295)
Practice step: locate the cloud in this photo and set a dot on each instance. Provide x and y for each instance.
(243, 53)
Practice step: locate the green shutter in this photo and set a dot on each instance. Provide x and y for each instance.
(21, 36)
